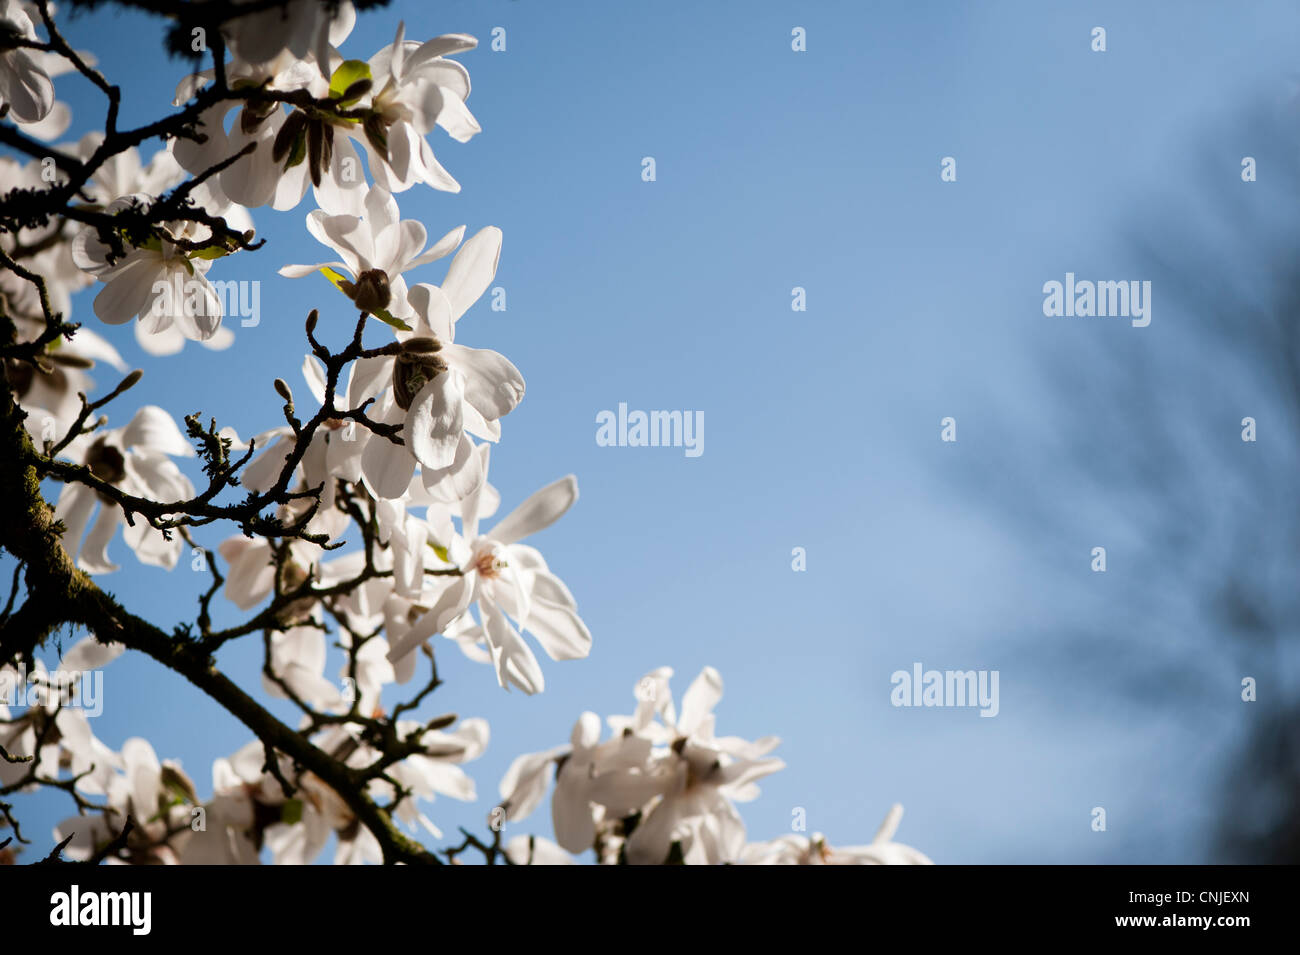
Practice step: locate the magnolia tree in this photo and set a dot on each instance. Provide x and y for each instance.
(362, 517)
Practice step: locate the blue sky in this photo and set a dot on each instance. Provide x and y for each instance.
(778, 169)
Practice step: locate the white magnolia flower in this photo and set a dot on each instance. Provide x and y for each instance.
(374, 671)
(229, 819)
(298, 659)
(576, 819)
(159, 284)
(51, 397)
(261, 177)
(376, 249)
(669, 773)
(803, 850)
(134, 459)
(252, 569)
(437, 771)
(439, 396)
(73, 746)
(124, 174)
(524, 785)
(416, 87)
(158, 796)
(302, 28)
(43, 249)
(25, 87)
(334, 452)
(59, 118)
(685, 795)
(505, 580)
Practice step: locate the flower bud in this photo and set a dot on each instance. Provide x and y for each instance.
(173, 778)
(285, 139)
(377, 134)
(370, 292)
(421, 346)
(254, 114)
(411, 372)
(292, 577)
(106, 462)
(357, 90)
(71, 361)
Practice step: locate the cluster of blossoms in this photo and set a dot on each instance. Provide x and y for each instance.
(663, 787)
(249, 809)
(397, 455)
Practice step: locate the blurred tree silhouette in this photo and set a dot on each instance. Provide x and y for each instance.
(1143, 431)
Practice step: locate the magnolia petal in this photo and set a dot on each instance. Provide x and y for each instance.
(431, 305)
(456, 118)
(153, 428)
(534, 850)
(465, 476)
(299, 271)
(575, 829)
(160, 343)
(386, 467)
(54, 125)
(511, 656)
(439, 249)
(700, 699)
(472, 270)
(89, 654)
(492, 384)
(523, 787)
(262, 473)
(75, 506)
(25, 87)
(221, 339)
(445, 45)
(435, 422)
(91, 345)
(538, 512)
(250, 577)
(367, 379)
(314, 374)
(559, 630)
(151, 547)
(451, 604)
(127, 293)
(93, 558)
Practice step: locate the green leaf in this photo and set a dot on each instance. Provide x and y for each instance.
(441, 551)
(348, 73)
(334, 277)
(299, 150)
(386, 317)
(291, 812)
(382, 314)
(211, 252)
